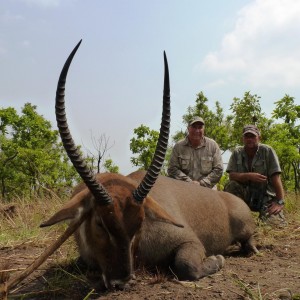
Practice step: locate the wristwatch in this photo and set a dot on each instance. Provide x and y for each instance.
(280, 202)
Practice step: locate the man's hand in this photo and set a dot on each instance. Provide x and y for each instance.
(274, 208)
(256, 177)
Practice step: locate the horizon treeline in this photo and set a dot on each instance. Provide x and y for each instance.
(33, 161)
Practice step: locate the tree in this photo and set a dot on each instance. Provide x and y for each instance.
(282, 140)
(8, 150)
(7, 157)
(287, 110)
(110, 166)
(31, 158)
(144, 145)
(96, 157)
(285, 138)
(217, 125)
(248, 111)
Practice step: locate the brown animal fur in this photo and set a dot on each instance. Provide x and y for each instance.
(212, 221)
(180, 226)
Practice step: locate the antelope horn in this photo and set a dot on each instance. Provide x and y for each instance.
(99, 192)
(148, 181)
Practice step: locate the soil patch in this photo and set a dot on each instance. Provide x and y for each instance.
(273, 274)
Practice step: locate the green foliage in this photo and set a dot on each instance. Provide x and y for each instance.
(216, 125)
(221, 184)
(287, 110)
(285, 144)
(179, 135)
(32, 161)
(110, 166)
(247, 111)
(285, 138)
(144, 145)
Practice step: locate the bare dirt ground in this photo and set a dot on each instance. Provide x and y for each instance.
(273, 274)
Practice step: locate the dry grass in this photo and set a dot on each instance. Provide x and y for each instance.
(62, 276)
(22, 228)
(20, 233)
(269, 235)
(23, 225)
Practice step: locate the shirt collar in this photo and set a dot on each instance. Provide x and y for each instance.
(202, 144)
(256, 153)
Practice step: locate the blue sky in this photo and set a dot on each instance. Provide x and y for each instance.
(223, 48)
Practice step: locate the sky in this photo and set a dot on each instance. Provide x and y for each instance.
(115, 83)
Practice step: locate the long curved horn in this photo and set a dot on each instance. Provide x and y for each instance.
(148, 181)
(99, 192)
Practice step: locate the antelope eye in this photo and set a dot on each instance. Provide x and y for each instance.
(99, 224)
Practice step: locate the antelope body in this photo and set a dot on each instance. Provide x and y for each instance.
(156, 220)
(180, 226)
(212, 221)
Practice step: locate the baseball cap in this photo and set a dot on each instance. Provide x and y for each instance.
(251, 129)
(195, 120)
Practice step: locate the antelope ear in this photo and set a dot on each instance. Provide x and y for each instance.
(72, 209)
(155, 212)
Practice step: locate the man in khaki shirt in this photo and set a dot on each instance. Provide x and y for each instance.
(196, 158)
(254, 175)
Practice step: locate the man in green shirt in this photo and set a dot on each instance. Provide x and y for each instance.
(196, 158)
(254, 174)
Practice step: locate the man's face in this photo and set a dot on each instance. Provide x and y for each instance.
(250, 140)
(196, 131)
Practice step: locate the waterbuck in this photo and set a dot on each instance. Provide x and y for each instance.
(155, 220)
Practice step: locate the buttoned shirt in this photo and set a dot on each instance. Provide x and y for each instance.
(203, 163)
(264, 162)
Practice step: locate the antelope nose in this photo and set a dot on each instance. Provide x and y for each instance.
(120, 284)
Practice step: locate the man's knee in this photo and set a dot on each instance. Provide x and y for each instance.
(236, 189)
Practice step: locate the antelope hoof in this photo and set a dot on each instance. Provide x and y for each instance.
(212, 264)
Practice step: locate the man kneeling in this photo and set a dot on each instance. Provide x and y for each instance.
(254, 173)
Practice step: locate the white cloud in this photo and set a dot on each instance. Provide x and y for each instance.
(215, 84)
(263, 48)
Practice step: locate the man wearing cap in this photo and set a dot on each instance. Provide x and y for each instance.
(196, 158)
(254, 174)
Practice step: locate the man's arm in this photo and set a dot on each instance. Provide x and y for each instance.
(174, 168)
(277, 184)
(212, 178)
(217, 170)
(249, 176)
(275, 208)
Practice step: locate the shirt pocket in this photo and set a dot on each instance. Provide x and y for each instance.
(184, 162)
(259, 167)
(240, 167)
(206, 164)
